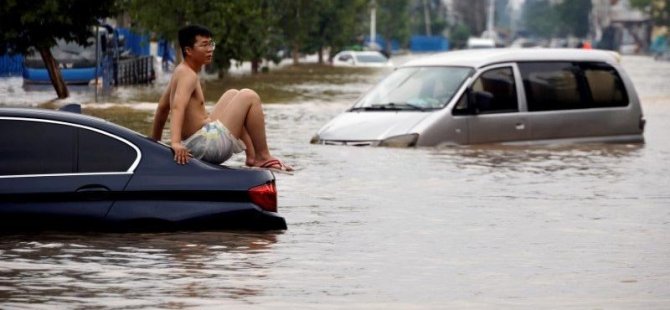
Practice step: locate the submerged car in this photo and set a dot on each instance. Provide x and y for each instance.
(494, 96)
(361, 59)
(67, 171)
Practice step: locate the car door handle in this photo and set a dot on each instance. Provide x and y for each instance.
(92, 188)
(94, 192)
(520, 126)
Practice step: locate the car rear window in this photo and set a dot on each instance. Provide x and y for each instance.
(102, 153)
(571, 85)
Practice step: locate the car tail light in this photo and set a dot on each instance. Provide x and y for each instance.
(265, 196)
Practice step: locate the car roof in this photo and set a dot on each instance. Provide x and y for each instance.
(483, 57)
(362, 52)
(68, 117)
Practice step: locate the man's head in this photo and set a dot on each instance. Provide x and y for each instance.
(196, 42)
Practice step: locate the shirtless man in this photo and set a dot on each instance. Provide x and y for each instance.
(235, 123)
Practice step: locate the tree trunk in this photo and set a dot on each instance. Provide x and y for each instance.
(294, 52)
(321, 55)
(54, 73)
(255, 64)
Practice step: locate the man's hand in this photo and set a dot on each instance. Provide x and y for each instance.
(181, 153)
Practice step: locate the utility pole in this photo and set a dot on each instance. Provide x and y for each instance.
(373, 22)
(426, 18)
(489, 19)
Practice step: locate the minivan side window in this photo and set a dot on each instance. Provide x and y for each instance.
(565, 85)
(498, 82)
(30, 147)
(607, 88)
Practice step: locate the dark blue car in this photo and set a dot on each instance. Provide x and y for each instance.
(63, 170)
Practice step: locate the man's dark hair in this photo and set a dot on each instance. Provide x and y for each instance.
(187, 34)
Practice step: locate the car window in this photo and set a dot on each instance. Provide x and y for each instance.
(102, 153)
(371, 58)
(551, 85)
(344, 57)
(422, 87)
(567, 85)
(500, 84)
(30, 147)
(605, 84)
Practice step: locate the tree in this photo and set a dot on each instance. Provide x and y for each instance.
(428, 17)
(244, 29)
(393, 20)
(247, 31)
(39, 24)
(459, 35)
(165, 17)
(574, 15)
(336, 25)
(540, 18)
(658, 9)
(473, 14)
(297, 19)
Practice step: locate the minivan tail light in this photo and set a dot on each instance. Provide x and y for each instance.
(265, 196)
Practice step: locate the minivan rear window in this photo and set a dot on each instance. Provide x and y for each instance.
(571, 85)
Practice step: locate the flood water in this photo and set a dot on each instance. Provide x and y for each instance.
(569, 226)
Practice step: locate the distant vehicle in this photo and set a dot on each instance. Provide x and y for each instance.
(81, 64)
(495, 96)
(76, 62)
(67, 171)
(529, 43)
(361, 59)
(476, 43)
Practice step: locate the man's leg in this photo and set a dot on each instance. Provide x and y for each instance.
(245, 112)
(219, 108)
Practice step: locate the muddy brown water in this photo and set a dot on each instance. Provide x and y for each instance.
(562, 226)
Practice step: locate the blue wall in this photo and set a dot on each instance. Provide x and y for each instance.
(138, 44)
(11, 65)
(428, 43)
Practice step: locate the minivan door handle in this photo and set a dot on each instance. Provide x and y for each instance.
(520, 126)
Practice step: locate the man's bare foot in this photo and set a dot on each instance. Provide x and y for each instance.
(250, 162)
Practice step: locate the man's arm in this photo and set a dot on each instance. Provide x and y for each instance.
(184, 88)
(162, 111)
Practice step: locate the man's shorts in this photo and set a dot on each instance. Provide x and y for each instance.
(213, 143)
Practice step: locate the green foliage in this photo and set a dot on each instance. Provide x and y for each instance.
(437, 20)
(540, 18)
(574, 15)
(337, 25)
(393, 19)
(251, 30)
(39, 23)
(658, 9)
(570, 17)
(459, 35)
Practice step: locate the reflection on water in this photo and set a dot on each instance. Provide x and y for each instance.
(493, 226)
(69, 269)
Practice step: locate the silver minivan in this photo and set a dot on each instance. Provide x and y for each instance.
(495, 96)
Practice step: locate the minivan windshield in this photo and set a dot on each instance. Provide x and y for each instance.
(415, 88)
